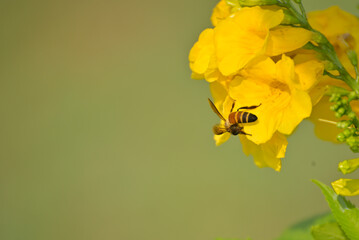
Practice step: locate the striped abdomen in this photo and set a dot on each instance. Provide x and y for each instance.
(241, 117)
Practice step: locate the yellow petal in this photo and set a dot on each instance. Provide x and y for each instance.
(284, 39)
(221, 138)
(268, 154)
(220, 12)
(202, 53)
(309, 74)
(257, 19)
(219, 93)
(299, 108)
(241, 38)
(285, 71)
(346, 187)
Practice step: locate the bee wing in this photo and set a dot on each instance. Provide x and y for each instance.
(215, 109)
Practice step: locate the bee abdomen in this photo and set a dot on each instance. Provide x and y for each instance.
(242, 117)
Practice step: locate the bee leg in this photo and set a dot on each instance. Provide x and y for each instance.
(250, 107)
(234, 102)
(244, 133)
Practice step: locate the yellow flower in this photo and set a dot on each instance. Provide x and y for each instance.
(268, 154)
(276, 86)
(247, 34)
(220, 12)
(346, 187)
(341, 29)
(253, 32)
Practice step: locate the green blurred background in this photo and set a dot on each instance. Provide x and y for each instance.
(105, 136)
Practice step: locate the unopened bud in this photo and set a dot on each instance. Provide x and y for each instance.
(348, 166)
(341, 137)
(289, 18)
(319, 38)
(352, 115)
(344, 124)
(344, 101)
(334, 98)
(352, 141)
(352, 55)
(347, 133)
(341, 111)
(352, 96)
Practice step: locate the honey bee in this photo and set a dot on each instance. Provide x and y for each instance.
(232, 124)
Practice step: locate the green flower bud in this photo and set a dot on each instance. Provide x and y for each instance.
(344, 101)
(341, 111)
(352, 141)
(352, 55)
(335, 107)
(319, 38)
(352, 115)
(338, 115)
(352, 96)
(347, 133)
(252, 3)
(289, 18)
(344, 124)
(348, 166)
(329, 66)
(341, 137)
(334, 98)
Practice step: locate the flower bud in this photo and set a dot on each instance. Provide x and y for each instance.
(334, 98)
(348, 166)
(344, 124)
(347, 133)
(352, 57)
(341, 137)
(352, 96)
(352, 115)
(341, 111)
(344, 101)
(252, 3)
(352, 141)
(289, 18)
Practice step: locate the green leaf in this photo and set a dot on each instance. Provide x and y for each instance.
(344, 211)
(302, 230)
(328, 231)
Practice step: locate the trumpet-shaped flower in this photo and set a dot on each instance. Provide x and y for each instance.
(240, 38)
(252, 32)
(280, 89)
(268, 154)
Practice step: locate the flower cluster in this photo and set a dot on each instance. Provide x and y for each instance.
(250, 58)
(265, 53)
